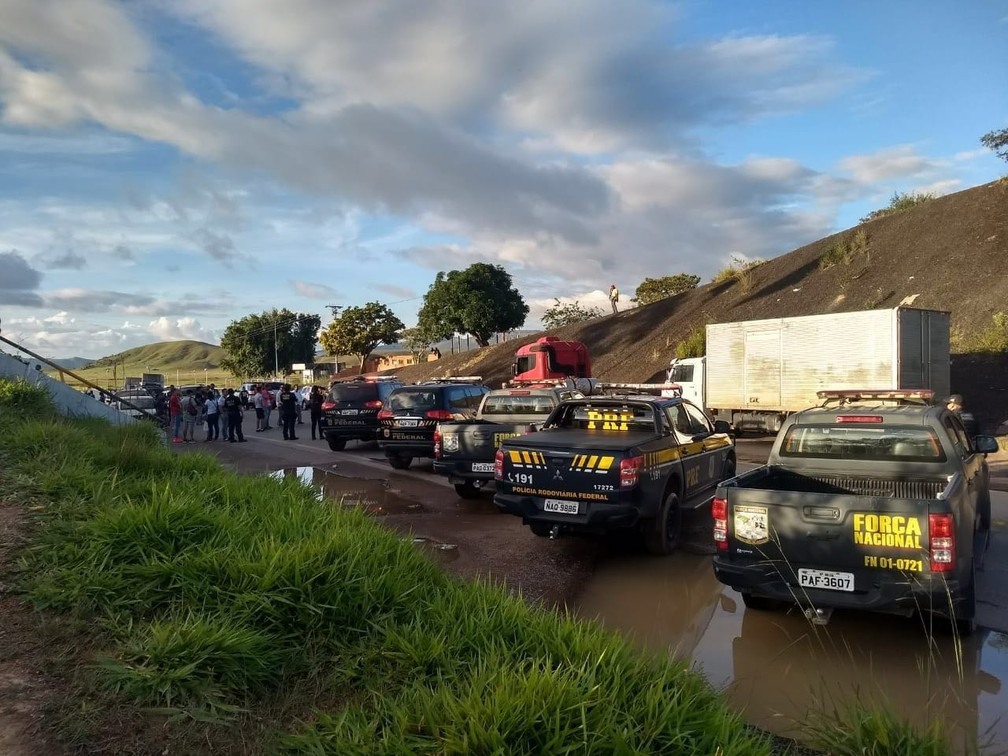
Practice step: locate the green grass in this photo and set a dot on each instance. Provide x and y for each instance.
(694, 345)
(900, 202)
(843, 251)
(219, 598)
(740, 271)
(991, 340)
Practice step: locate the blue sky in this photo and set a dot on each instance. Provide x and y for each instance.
(169, 167)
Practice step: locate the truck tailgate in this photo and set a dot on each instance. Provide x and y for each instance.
(826, 537)
(559, 471)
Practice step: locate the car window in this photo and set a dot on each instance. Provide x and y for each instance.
(957, 435)
(403, 400)
(385, 388)
(353, 392)
(680, 420)
(457, 398)
(698, 421)
(889, 443)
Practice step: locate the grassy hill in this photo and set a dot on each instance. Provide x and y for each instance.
(178, 361)
(947, 254)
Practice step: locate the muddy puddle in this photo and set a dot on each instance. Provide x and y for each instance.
(375, 496)
(777, 667)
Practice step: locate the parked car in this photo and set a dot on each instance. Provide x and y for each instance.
(412, 413)
(140, 405)
(350, 409)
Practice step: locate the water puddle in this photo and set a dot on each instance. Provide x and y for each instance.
(374, 496)
(777, 667)
(441, 552)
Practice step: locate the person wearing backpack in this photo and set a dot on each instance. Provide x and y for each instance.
(190, 411)
(212, 409)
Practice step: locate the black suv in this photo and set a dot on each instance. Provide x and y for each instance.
(350, 410)
(412, 413)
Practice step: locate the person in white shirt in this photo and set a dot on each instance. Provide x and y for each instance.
(257, 402)
(212, 417)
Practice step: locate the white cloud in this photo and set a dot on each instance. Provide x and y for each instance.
(313, 290)
(901, 161)
(178, 329)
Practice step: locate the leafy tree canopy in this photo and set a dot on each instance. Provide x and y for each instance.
(997, 141)
(259, 345)
(562, 314)
(417, 342)
(358, 330)
(479, 300)
(653, 289)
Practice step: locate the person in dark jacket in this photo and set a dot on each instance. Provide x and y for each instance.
(315, 408)
(233, 408)
(288, 402)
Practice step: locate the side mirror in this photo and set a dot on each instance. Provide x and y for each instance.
(985, 444)
(722, 426)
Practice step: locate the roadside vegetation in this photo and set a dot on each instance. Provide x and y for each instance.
(693, 345)
(991, 340)
(900, 202)
(566, 313)
(843, 251)
(740, 272)
(245, 604)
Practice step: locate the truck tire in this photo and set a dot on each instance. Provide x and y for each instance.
(400, 461)
(467, 490)
(336, 444)
(661, 535)
(540, 529)
(984, 510)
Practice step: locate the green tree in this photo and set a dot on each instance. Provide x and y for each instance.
(417, 342)
(479, 300)
(358, 330)
(653, 289)
(997, 141)
(564, 314)
(268, 342)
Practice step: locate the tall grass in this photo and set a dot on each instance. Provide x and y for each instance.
(209, 594)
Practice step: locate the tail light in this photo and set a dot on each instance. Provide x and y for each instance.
(499, 465)
(327, 405)
(373, 404)
(439, 415)
(629, 471)
(719, 511)
(941, 531)
(437, 443)
(385, 414)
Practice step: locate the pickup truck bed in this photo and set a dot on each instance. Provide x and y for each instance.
(870, 520)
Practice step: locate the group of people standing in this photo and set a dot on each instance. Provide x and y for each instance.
(222, 412)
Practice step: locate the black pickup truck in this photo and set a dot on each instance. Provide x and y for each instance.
(880, 502)
(464, 451)
(601, 464)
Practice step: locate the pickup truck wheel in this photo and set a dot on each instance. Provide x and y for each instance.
(728, 471)
(467, 490)
(400, 461)
(661, 535)
(540, 529)
(984, 510)
(760, 603)
(336, 444)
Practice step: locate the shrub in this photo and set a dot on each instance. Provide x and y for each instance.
(900, 202)
(992, 339)
(740, 272)
(843, 251)
(561, 314)
(694, 345)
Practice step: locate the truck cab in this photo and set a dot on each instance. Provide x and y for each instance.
(548, 358)
(690, 375)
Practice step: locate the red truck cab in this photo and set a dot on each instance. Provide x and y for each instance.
(549, 358)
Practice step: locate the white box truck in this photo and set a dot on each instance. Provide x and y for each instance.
(757, 372)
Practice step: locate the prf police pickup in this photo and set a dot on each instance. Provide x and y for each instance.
(602, 464)
(877, 500)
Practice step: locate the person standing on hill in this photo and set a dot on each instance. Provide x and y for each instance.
(315, 408)
(287, 403)
(613, 297)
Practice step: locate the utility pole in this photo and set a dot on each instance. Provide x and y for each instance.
(276, 352)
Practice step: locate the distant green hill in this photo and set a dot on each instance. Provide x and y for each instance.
(165, 357)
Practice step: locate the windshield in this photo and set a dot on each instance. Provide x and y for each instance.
(413, 399)
(518, 405)
(889, 443)
(353, 392)
(681, 374)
